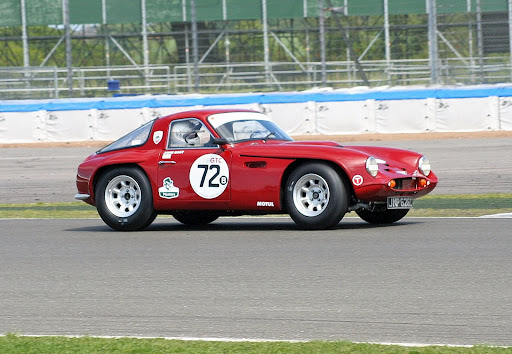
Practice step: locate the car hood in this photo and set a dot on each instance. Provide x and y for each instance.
(326, 150)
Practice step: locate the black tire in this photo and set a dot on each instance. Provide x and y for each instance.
(387, 216)
(195, 218)
(316, 196)
(124, 199)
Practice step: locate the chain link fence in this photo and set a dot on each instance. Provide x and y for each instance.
(342, 43)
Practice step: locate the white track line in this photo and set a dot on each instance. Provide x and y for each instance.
(498, 216)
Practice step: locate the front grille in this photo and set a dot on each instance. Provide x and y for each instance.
(406, 183)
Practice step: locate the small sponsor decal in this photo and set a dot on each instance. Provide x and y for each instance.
(157, 136)
(265, 204)
(168, 190)
(168, 154)
(357, 180)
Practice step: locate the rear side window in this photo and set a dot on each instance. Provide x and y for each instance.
(137, 137)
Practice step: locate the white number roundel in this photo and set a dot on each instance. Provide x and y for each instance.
(209, 176)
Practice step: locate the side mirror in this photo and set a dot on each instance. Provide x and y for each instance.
(219, 141)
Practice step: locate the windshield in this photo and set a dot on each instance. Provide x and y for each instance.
(239, 126)
(135, 138)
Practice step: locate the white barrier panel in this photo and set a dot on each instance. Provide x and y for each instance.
(113, 124)
(505, 113)
(476, 114)
(404, 116)
(339, 116)
(333, 118)
(59, 126)
(293, 118)
(18, 127)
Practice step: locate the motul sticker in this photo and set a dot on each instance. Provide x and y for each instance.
(168, 190)
(357, 180)
(265, 204)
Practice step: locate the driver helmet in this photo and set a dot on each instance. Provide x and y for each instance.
(185, 133)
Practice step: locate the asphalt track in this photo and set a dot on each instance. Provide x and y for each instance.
(428, 281)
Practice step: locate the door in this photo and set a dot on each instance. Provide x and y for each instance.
(192, 173)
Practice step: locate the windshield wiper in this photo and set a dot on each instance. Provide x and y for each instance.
(269, 135)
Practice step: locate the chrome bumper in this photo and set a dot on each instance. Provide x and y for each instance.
(82, 196)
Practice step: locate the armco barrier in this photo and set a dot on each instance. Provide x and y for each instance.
(354, 111)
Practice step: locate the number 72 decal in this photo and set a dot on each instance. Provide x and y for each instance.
(209, 176)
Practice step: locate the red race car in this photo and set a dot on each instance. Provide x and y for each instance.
(199, 165)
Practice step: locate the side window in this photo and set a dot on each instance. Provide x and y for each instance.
(189, 133)
(135, 138)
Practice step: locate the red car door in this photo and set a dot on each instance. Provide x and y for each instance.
(192, 173)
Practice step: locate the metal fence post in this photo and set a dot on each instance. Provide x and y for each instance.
(432, 41)
(510, 34)
(195, 52)
(24, 39)
(321, 15)
(106, 34)
(387, 42)
(69, 62)
(480, 39)
(266, 49)
(24, 35)
(145, 48)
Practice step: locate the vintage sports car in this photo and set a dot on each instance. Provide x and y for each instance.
(199, 165)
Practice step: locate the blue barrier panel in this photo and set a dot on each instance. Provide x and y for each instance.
(158, 101)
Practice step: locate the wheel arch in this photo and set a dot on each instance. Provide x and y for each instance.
(104, 169)
(299, 162)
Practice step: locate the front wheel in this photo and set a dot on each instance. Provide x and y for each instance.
(124, 199)
(316, 196)
(387, 216)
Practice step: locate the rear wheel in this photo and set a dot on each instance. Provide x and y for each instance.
(124, 199)
(316, 196)
(195, 218)
(387, 216)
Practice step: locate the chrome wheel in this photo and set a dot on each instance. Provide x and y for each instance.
(122, 196)
(315, 196)
(311, 195)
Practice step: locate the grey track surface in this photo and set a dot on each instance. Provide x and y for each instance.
(30, 175)
(420, 281)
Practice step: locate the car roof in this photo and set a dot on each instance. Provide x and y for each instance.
(202, 114)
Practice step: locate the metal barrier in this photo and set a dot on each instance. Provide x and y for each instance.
(52, 82)
(278, 76)
(31, 82)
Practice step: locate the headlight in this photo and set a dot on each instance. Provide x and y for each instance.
(372, 166)
(424, 165)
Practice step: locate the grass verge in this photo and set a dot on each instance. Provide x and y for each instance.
(429, 206)
(462, 205)
(48, 210)
(40, 345)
